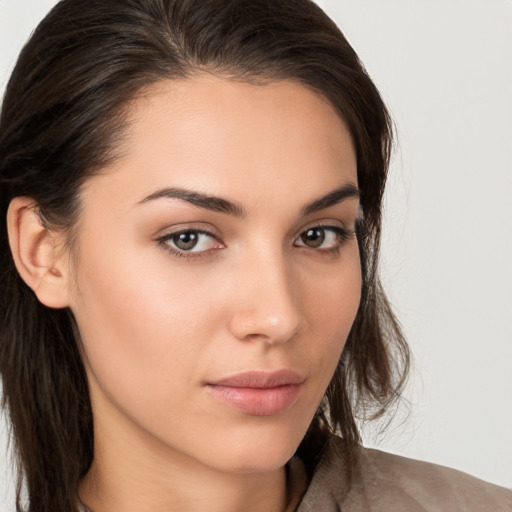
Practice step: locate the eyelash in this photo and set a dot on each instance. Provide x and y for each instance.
(342, 235)
(187, 255)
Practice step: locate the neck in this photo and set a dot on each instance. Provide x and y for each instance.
(127, 491)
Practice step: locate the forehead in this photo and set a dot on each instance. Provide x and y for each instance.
(233, 139)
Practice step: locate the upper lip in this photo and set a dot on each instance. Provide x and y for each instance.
(260, 379)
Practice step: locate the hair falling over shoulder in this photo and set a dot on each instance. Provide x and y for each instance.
(62, 121)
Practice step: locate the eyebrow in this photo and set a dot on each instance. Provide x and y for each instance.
(338, 195)
(220, 205)
(216, 204)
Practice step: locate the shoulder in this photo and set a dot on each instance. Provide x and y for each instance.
(384, 482)
(424, 486)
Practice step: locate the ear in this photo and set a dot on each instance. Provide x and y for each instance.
(38, 253)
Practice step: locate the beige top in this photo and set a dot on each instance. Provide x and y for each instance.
(388, 483)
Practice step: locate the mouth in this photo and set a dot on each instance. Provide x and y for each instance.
(258, 393)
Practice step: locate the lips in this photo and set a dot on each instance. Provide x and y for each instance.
(260, 379)
(258, 393)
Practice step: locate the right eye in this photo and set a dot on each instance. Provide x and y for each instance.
(189, 241)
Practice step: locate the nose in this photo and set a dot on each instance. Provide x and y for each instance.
(267, 301)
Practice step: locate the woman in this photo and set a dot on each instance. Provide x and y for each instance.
(193, 316)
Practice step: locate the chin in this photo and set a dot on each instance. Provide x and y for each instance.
(261, 461)
(262, 450)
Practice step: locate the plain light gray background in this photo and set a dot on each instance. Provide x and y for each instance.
(445, 69)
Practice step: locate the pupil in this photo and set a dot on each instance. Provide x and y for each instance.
(185, 241)
(314, 237)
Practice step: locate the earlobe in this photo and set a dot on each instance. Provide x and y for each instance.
(38, 254)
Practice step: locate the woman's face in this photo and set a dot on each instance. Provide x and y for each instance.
(217, 272)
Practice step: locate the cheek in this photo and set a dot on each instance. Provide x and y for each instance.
(331, 299)
(333, 296)
(139, 328)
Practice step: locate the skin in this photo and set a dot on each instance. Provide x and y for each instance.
(157, 327)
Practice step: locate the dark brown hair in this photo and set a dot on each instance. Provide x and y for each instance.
(62, 120)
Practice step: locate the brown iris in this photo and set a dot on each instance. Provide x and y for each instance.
(186, 240)
(313, 237)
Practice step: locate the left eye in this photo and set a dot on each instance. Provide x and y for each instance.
(321, 237)
(190, 241)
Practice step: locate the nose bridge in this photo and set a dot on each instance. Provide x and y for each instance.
(267, 300)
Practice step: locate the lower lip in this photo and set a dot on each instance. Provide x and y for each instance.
(257, 401)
